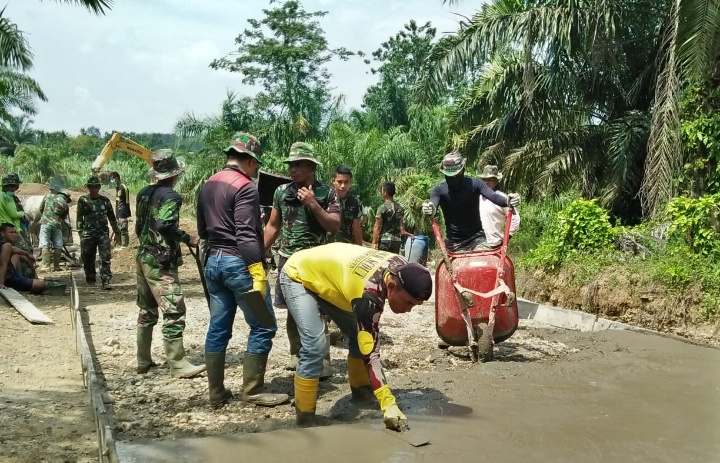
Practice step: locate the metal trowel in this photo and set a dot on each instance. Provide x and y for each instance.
(258, 307)
(414, 438)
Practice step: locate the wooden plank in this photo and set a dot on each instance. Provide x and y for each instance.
(25, 307)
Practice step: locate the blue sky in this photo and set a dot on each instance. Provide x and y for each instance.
(145, 64)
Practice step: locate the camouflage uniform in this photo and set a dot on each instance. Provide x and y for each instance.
(350, 209)
(391, 214)
(93, 215)
(122, 208)
(158, 258)
(54, 211)
(299, 230)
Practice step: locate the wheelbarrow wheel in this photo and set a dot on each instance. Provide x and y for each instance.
(485, 342)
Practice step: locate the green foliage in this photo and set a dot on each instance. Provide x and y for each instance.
(413, 188)
(695, 221)
(286, 53)
(701, 139)
(581, 226)
(536, 217)
(402, 59)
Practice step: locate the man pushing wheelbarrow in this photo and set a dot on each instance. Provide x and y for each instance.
(475, 283)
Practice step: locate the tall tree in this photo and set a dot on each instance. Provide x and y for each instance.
(285, 53)
(401, 60)
(685, 36)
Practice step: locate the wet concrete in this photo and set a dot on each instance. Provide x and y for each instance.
(619, 396)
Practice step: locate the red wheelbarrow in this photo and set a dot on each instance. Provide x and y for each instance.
(475, 302)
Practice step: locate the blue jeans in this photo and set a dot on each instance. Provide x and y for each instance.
(227, 278)
(307, 309)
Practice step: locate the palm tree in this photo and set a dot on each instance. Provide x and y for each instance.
(14, 132)
(570, 87)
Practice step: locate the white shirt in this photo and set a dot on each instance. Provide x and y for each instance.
(493, 219)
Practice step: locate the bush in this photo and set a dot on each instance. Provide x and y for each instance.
(695, 221)
(581, 226)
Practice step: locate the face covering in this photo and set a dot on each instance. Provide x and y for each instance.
(112, 183)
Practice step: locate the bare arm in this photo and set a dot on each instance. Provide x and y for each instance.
(376, 232)
(272, 229)
(404, 232)
(357, 232)
(5, 254)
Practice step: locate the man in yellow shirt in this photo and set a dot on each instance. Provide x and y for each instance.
(349, 284)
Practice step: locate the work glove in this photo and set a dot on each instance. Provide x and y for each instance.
(428, 208)
(513, 200)
(257, 272)
(392, 416)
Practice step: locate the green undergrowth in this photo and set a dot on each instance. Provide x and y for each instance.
(678, 255)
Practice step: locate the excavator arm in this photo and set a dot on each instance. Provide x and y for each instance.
(119, 142)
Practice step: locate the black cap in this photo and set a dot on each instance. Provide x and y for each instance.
(415, 279)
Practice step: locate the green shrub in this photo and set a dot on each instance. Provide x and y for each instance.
(694, 220)
(581, 226)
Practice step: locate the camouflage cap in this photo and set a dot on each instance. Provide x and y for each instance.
(92, 181)
(165, 165)
(9, 180)
(247, 144)
(301, 151)
(16, 177)
(452, 164)
(491, 172)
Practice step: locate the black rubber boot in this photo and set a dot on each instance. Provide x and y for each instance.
(219, 395)
(254, 382)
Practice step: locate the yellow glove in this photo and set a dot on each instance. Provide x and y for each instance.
(392, 416)
(257, 272)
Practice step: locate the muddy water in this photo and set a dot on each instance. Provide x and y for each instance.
(618, 396)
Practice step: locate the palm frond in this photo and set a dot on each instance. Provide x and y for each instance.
(95, 6)
(664, 156)
(14, 49)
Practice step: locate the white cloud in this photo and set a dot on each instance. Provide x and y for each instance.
(145, 63)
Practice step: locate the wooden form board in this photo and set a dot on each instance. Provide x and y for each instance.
(25, 307)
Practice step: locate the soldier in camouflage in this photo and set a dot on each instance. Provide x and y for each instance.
(93, 213)
(350, 209)
(55, 210)
(389, 223)
(157, 261)
(304, 212)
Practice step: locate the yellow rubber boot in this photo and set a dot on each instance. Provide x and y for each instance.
(306, 391)
(359, 380)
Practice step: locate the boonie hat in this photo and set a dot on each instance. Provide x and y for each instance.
(452, 164)
(491, 172)
(165, 165)
(245, 143)
(301, 151)
(415, 279)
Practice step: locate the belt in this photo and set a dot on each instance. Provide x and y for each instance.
(220, 253)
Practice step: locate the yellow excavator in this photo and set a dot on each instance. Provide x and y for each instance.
(120, 142)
